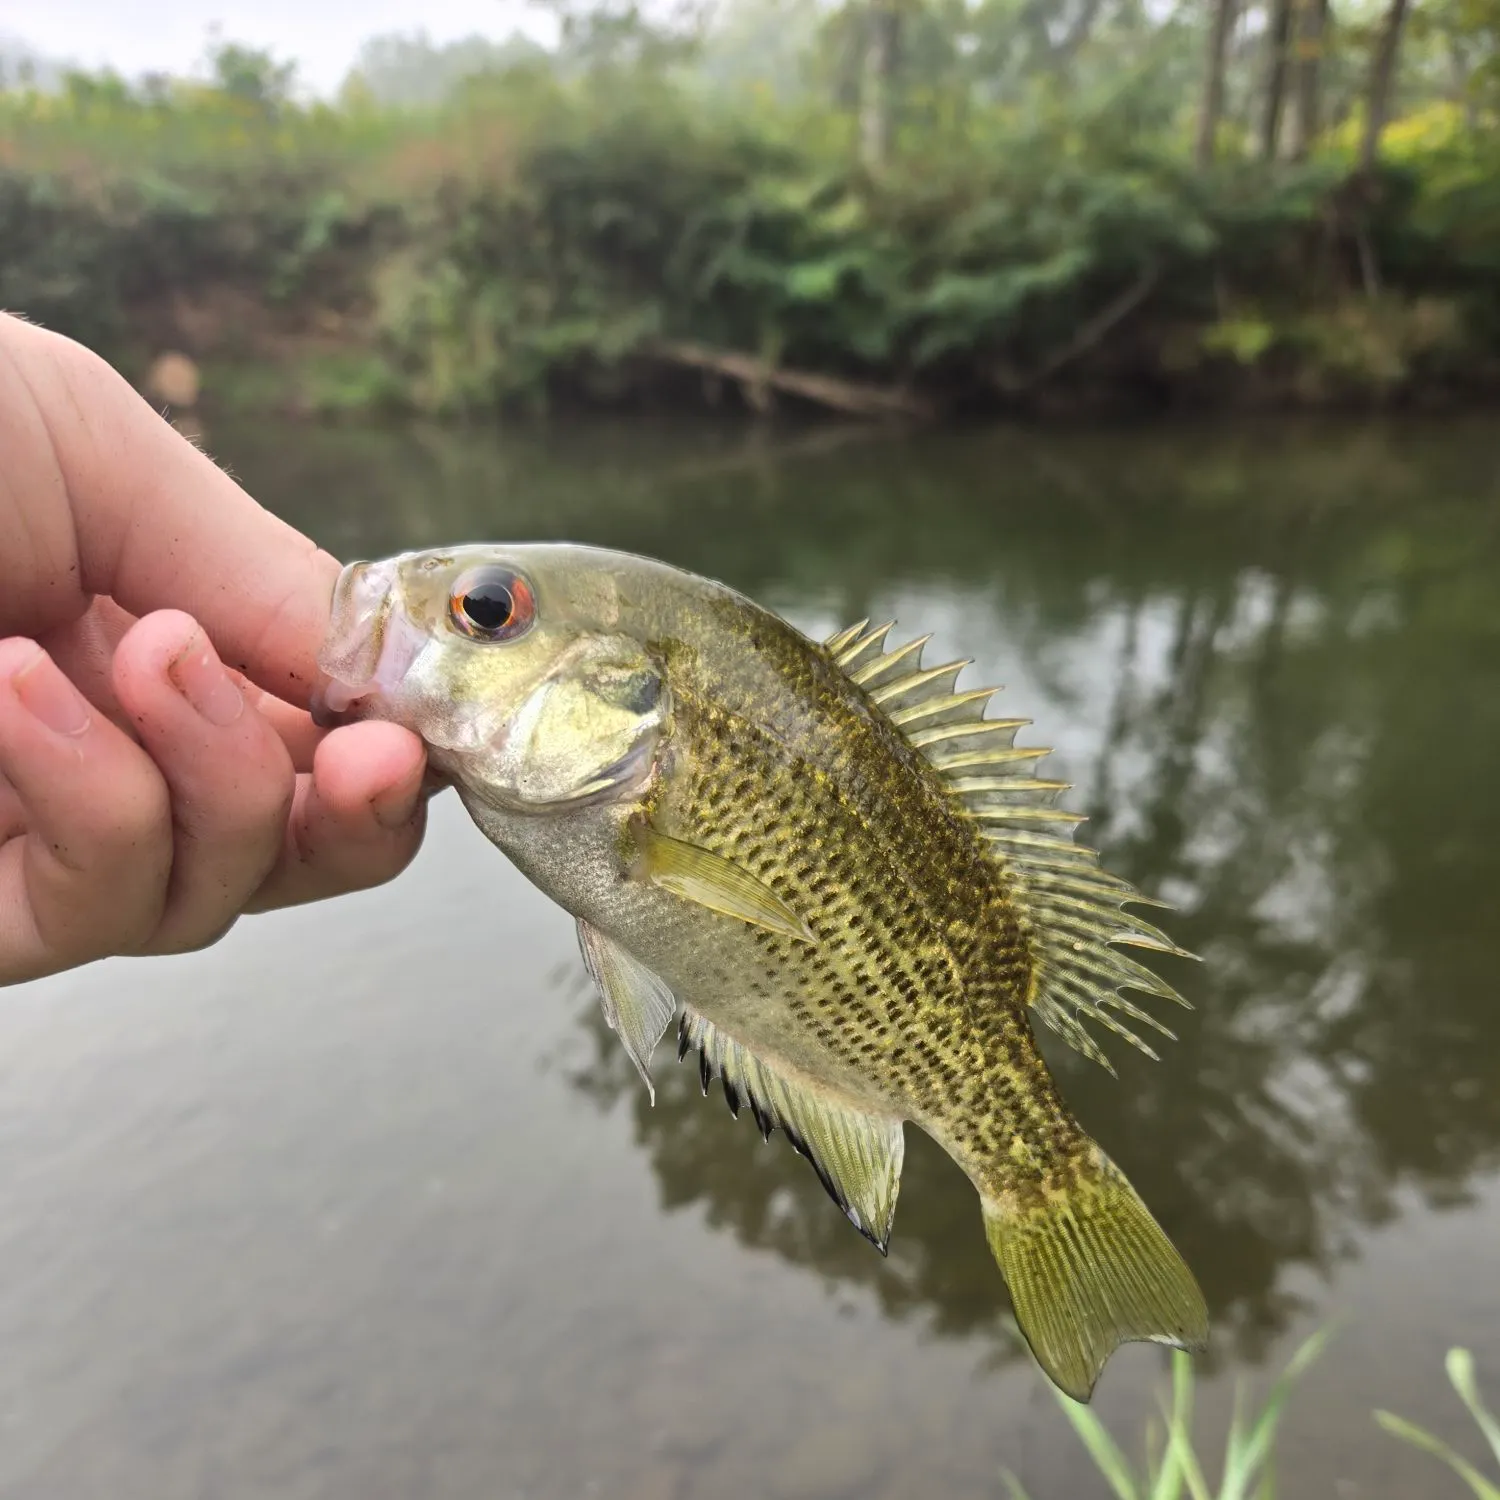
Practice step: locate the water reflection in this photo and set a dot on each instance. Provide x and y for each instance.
(1268, 660)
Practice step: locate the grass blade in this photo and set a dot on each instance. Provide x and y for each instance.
(1102, 1448)
(1460, 1365)
(1247, 1456)
(1179, 1454)
(1419, 1437)
(1168, 1480)
(1248, 1460)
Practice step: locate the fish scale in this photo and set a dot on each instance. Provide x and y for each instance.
(851, 887)
(840, 991)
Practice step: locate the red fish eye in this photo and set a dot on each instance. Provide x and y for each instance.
(492, 604)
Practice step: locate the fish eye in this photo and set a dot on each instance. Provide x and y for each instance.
(491, 604)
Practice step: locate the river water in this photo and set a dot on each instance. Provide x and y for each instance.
(366, 1203)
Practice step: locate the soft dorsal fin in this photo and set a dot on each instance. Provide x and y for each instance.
(856, 1155)
(1075, 908)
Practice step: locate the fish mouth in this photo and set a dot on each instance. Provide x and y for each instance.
(370, 645)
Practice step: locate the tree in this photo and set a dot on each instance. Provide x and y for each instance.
(411, 70)
(766, 43)
(22, 67)
(1212, 108)
(1382, 74)
(626, 34)
(1312, 29)
(251, 75)
(1278, 35)
(876, 105)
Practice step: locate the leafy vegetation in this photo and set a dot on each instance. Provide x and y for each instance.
(1460, 1365)
(1173, 1468)
(890, 206)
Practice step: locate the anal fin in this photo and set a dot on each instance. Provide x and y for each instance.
(637, 1003)
(857, 1155)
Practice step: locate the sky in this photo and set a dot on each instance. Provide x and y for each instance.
(321, 35)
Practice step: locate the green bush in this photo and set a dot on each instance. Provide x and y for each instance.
(538, 236)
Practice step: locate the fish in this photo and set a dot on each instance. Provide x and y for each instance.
(847, 884)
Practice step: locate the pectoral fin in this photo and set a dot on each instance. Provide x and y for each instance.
(715, 882)
(856, 1155)
(637, 1003)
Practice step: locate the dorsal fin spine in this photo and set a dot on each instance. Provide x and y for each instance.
(882, 668)
(839, 642)
(949, 709)
(1073, 909)
(918, 687)
(1006, 790)
(1026, 815)
(864, 648)
(946, 735)
(1043, 849)
(977, 760)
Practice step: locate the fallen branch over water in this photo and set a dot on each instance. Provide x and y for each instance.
(1011, 382)
(757, 377)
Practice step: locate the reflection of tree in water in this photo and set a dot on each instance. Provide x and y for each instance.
(1303, 695)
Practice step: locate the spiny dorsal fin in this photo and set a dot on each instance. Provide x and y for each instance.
(857, 1156)
(1075, 908)
(637, 1003)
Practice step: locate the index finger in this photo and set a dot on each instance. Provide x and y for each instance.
(158, 524)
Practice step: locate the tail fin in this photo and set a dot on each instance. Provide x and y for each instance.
(1089, 1270)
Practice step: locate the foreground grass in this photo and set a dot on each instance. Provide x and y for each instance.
(1460, 1364)
(1174, 1468)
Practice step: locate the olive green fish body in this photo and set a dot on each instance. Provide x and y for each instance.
(912, 999)
(913, 996)
(846, 882)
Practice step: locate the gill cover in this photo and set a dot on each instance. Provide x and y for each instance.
(588, 731)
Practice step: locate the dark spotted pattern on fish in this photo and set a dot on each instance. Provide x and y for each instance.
(922, 964)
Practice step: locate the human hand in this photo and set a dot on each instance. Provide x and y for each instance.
(149, 794)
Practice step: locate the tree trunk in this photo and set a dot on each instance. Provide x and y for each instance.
(1382, 75)
(1077, 34)
(1312, 27)
(1277, 37)
(1212, 109)
(876, 104)
(1460, 70)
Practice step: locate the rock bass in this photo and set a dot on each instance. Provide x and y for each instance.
(849, 886)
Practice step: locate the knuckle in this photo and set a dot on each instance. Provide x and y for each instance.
(318, 864)
(197, 937)
(267, 804)
(381, 862)
(134, 830)
(250, 811)
(93, 910)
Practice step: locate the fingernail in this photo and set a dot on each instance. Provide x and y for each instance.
(199, 675)
(48, 695)
(396, 806)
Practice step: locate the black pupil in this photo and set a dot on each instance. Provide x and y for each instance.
(489, 606)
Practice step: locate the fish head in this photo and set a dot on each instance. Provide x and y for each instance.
(516, 666)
